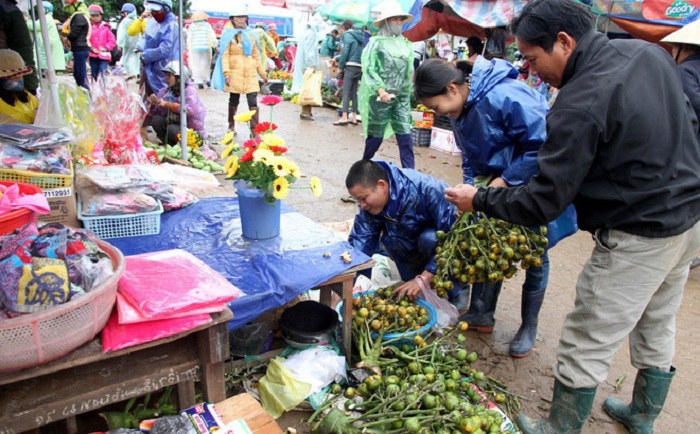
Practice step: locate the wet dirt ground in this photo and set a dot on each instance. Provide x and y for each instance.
(328, 151)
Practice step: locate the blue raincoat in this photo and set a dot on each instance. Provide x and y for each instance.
(416, 203)
(500, 131)
(160, 45)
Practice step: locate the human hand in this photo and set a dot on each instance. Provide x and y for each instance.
(498, 182)
(385, 96)
(461, 196)
(265, 80)
(153, 99)
(410, 289)
(227, 80)
(145, 14)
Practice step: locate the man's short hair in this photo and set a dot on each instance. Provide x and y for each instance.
(348, 24)
(366, 173)
(540, 22)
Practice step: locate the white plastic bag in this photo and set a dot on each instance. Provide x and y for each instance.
(447, 314)
(317, 366)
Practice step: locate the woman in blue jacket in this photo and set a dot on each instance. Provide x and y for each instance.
(499, 124)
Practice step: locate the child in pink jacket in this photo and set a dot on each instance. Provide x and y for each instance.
(102, 41)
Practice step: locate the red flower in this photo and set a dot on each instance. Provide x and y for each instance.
(250, 143)
(248, 156)
(270, 100)
(278, 149)
(264, 127)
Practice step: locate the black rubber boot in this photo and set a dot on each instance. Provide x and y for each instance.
(231, 121)
(254, 121)
(570, 409)
(482, 308)
(523, 341)
(648, 397)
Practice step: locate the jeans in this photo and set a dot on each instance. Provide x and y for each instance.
(351, 80)
(80, 58)
(97, 67)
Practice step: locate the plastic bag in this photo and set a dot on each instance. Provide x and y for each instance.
(318, 366)
(310, 93)
(95, 202)
(51, 160)
(191, 179)
(119, 177)
(32, 137)
(279, 390)
(128, 314)
(447, 314)
(116, 336)
(163, 283)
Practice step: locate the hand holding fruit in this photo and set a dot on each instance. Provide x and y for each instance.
(461, 196)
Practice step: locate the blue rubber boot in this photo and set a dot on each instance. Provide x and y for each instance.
(480, 316)
(524, 339)
(648, 397)
(570, 409)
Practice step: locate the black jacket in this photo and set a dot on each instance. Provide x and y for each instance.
(690, 77)
(15, 36)
(77, 36)
(620, 145)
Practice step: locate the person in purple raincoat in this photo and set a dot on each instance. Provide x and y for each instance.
(165, 106)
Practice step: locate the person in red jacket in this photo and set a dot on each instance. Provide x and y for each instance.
(102, 41)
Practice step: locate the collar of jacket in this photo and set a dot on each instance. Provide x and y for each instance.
(585, 50)
(399, 197)
(695, 56)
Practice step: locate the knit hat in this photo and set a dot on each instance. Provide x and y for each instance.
(95, 9)
(12, 65)
(199, 16)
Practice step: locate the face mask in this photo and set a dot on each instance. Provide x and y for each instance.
(395, 29)
(158, 16)
(13, 85)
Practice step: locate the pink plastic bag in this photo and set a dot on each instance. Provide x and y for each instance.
(116, 336)
(160, 284)
(128, 314)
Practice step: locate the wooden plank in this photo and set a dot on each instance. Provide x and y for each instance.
(213, 348)
(347, 317)
(348, 274)
(185, 394)
(245, 407)
(261, 360)
(92, 352)
(38, 401)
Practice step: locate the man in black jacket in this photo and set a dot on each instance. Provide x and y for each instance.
(78, 28)
(15, 36)
(621, 145)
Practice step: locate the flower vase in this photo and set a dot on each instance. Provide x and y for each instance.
(259, 220)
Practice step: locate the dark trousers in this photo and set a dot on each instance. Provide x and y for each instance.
(252, 98)
(97, 67)
(165, 130)
(80, 58)
(351, 80)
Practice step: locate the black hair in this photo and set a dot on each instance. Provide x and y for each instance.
(334, 31)
(432, 77)
(10, 97)
(366, 173)
(540, 22)
(348, 24)
(475, 45)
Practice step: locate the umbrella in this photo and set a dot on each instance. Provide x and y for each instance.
(363, 12)
(299, 5)
(487, 13)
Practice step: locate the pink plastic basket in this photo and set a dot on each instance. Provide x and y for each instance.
(33, 339)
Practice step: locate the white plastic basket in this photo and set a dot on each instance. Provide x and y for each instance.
(119, 226)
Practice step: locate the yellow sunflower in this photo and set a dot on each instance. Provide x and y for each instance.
(230, 148)
(316, 187)
(293, 169)
(280, 165)
(245, 117)
(228, 138)
(263, 156)
(231, 166)
(280, 188)
(272, 140)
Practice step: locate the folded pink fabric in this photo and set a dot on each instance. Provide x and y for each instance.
(128, 314)
(11, 199)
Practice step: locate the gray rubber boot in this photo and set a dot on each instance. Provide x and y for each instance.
(648, 397)
(570, 409)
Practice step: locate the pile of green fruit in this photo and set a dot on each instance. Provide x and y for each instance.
(195, 157)
(384, 312)
(483, 249)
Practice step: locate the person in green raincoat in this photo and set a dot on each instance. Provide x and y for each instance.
(57, 55)
(386, 86)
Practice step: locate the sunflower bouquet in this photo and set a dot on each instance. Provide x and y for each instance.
(194, 139)
(261, 160)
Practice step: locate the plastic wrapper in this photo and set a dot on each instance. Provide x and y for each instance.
(32, 137)
(191, 179)
(95, 202)
(172, 425)
(128, 314)
(170, 196)
(447, 314)
(51, 160)
(119, 113)
(76, 115)
(117, 336)
(318, 366)
(173, 281)
(119, 177)
(204, 418)
(279, 390)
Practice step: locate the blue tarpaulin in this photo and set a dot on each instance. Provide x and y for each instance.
(270, 272)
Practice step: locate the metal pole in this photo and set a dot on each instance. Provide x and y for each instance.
(36, 41)
(50, 71)
(183, 86)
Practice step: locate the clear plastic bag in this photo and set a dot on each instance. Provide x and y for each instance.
(32, 137)
(447, 314)
(51, 160)
(119, 177)
(95, 202)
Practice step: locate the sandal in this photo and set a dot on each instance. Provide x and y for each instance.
(340, 124)
(348, 199)
(354, 123)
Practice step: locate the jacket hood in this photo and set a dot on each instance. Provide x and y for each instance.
(356, 34)
(486, 74)
(397, 188)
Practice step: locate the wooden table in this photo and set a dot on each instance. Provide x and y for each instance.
(245, 407)
(88, 379)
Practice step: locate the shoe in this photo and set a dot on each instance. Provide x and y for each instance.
(306, 117)
(695, 262)
(340, 124)
(480, 315)
(524, 339)
(354, 123)
(348, 199)
(200, 85)
(231, 120)
(648, 398)
(570, 409)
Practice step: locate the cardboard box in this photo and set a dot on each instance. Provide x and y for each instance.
(444, 141)
(63, 207)
(418, 116)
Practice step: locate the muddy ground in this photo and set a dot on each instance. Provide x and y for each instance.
(328, 151)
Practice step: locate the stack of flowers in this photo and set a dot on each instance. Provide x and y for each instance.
(194, 139)
(261, 162)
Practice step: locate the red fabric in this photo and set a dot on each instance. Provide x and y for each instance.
(432, 22)
(646, 31)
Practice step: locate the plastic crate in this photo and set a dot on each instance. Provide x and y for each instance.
(41, 180)
(442, 122)
(276, 87)
(19, 217)
(120, 226)
(421, 137)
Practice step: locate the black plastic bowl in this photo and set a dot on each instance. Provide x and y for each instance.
(308, 323)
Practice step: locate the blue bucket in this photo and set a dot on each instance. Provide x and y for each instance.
(259, 219)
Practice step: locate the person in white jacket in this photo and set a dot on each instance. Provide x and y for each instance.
(130, 61)
(201, 40)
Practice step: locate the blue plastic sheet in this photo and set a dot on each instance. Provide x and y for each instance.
(270, 272)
